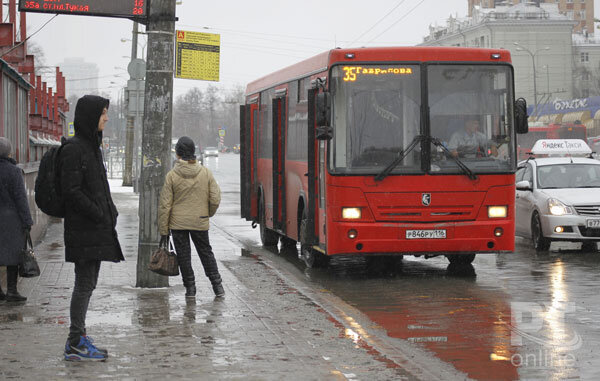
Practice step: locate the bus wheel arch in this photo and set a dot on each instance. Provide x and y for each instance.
(310, 257)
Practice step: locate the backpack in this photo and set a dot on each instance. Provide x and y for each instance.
(47, 183)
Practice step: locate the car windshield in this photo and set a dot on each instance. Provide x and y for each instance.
(211, 148)
(568, 175)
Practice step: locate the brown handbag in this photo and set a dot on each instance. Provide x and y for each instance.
(164, 259)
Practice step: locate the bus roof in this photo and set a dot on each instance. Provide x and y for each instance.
(323, 61)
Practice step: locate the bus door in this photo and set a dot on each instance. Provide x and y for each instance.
(312, 236)
(279, 125)
(248, 153)
(322, 171)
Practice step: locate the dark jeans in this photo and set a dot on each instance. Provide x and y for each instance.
(86, 278)
(181, 238)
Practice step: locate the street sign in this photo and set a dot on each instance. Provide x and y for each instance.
(71, 131)
(107, 8)
(221, 132)
(197, 55)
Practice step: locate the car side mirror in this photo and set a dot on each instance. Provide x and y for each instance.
(524, 186)
(521, 123)
(323, 109)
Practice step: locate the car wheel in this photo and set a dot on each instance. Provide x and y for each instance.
(267, 236)
(311, 257)
(589, 246)
(540, 243)
(461, 259)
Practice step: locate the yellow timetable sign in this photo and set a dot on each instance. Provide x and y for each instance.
(198, 55)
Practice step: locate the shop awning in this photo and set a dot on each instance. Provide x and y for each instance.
(580, 116)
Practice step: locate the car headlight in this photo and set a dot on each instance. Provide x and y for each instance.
(557, 208)
(497, 211)
(351, 213)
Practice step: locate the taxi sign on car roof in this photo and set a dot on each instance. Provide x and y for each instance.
(567, 147)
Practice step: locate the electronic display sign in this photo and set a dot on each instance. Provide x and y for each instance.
(107, 8)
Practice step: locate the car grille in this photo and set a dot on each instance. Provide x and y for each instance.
(587, 232)
(588, 210)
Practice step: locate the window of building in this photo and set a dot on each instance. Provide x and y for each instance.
(585, 56)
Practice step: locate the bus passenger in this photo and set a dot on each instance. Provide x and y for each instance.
(470, 142)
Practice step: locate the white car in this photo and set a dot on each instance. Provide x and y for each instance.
(211, 151)
(558, 199)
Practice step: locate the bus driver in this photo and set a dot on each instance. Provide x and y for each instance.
(471, 143)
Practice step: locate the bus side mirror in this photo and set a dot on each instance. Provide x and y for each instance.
(521, 124)
(324, 130)
(323, 109)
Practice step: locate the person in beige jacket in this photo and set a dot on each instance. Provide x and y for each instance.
(189, 197)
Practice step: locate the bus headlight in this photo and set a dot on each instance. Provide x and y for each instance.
(557, 208)
(351, 213)
(497, 211)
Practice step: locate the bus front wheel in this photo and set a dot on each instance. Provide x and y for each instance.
(461, 259)
(311, 257)
(267, 236)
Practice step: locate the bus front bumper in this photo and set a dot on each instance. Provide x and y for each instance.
(439, 238)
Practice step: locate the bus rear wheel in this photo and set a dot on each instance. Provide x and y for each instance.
(461, 259)
(267, 236)
(311, 257)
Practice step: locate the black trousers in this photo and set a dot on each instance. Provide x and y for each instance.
(86, 278)
(181, 239)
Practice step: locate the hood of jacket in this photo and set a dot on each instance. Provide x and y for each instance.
(187, 170)
(87, 115)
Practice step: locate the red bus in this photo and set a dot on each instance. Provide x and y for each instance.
(351, 153)
(549, 131)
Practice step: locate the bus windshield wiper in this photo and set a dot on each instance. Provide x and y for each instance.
(401, 155)
(436, 142)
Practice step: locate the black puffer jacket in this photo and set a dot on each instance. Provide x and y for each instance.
(91, 215)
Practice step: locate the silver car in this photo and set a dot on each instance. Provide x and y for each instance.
(211, 151)
(558, 199)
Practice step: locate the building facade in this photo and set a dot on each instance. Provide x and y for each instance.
(83, 76)
(581, 11)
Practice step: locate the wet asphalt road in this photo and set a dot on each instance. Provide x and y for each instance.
(509, 316)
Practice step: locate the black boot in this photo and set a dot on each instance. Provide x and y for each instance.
(190, 291)
(2, 296)
(12, 295)
(218, 289)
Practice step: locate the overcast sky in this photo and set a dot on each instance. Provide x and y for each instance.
(257, 37)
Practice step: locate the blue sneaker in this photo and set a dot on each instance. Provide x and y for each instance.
(101, 350)
(84, 351)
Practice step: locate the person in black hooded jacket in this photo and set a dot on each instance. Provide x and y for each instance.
(90, 218)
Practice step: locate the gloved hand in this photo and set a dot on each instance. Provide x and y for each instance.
(27, 228)
(163, 240)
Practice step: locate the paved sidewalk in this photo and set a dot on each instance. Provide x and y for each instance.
(263, 329)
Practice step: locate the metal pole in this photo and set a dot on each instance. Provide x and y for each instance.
(127, 175)
(156, 135)
(534, 83)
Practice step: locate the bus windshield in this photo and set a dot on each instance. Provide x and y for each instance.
(470, 114)
(376, 112)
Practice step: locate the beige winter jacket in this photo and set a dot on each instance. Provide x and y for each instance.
(189, 196)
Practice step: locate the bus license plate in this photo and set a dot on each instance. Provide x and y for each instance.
(426, 234)
(593, 223)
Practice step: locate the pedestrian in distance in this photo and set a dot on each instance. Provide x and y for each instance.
(90, 218)
(15, 220)
(190, 195)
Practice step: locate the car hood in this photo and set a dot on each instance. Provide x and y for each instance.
(577, 196)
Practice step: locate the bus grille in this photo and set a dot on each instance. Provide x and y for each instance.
(588, 210)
